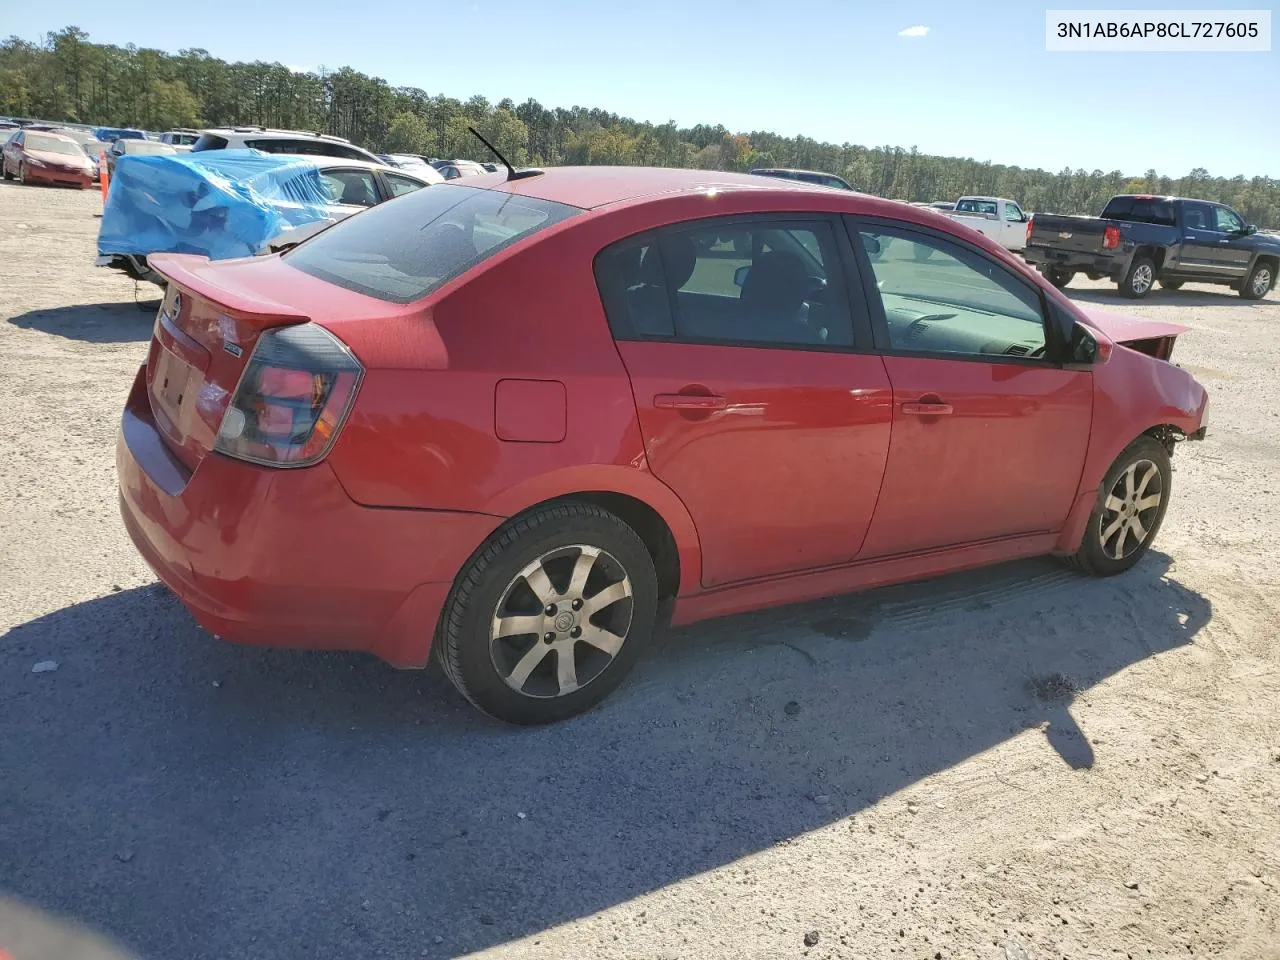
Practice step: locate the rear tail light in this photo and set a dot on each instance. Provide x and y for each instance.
(1030, 221)
(1111, 237)
(292, 399)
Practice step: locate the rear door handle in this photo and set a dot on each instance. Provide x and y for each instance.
(927, 409)
(689, 401)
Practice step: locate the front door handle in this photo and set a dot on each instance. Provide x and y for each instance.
(689, 401)
(925, 409)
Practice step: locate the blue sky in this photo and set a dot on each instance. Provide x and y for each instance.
(978, 84)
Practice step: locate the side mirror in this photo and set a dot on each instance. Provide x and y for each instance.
(1251, 228)
(1083, 348)
(740, 275)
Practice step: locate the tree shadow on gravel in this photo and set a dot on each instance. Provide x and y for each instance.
(1202, 296)
(190, 798)
(96, 322)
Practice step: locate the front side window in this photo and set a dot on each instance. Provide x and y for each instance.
(941, 298)
(400, 252)
(1011, 212)
(1227, 221)
(772, 283)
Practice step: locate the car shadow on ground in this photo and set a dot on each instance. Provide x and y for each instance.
(1200, 297)
(190, 798)
(96, 322)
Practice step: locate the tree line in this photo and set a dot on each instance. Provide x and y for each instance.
(67, 77)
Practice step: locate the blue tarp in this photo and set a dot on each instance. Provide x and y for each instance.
(218, 203)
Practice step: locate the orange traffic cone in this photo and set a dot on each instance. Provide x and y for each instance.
(103, 176)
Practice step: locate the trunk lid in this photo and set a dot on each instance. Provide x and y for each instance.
(206, 329)
(1074, 234)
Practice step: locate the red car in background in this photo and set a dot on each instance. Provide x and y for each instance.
(524, 423)
(42, 157)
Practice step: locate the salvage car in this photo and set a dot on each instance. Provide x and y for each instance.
(51, 158)
(232, 203)
(128, 147)
(1140, 239)
(519, 425)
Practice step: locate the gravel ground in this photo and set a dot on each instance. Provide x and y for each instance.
(1017, 763)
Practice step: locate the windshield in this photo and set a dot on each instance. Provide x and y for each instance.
(986, 207)
(53, 145)
(401, 251)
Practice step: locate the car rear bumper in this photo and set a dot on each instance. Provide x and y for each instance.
(1103, 265)
(284, 557)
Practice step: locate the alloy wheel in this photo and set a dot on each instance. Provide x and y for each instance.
(1130, 510)
(561, 621)
(1143, 277)
(1261, 281)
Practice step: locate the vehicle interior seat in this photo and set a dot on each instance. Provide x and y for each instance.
(1195, 219)
(773, 297)
(647, 297)
(358, 193)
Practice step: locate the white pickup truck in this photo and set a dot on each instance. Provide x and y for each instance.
(1001, 220)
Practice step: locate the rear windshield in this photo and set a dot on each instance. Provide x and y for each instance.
(986, 207)
(1140, 210)
(147, 146)
(401, 251)
(210, 141)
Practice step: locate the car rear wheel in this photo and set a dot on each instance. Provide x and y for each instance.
(4, 170)
(1172, 284)
(1130, 508)
(1259, 282)
(1138, 281)
(550, 615)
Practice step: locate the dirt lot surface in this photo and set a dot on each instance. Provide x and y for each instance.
(1019, 763)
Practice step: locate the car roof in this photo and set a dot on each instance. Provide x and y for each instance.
(321, 161)
(589, 187)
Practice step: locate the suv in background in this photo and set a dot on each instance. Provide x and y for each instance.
(282, 141)
(804, 176)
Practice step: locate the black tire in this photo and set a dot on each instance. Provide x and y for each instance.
(22, 174)
(1139, 279)
(4, 170)
(1059, 277)
(493, 583)
(1172, 284)
(1096, 555)
(1261, 279)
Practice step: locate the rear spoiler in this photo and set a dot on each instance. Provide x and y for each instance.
(195, 273)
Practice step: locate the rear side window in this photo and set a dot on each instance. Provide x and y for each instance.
(767, 283)
(400, 252)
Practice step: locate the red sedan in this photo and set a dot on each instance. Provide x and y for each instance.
(521, 424)
(40, 157)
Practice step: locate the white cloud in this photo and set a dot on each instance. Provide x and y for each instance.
(916, 31)
(297, 69)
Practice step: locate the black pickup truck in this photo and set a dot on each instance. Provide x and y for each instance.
(1141, 239)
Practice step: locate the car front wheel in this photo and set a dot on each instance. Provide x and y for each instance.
(550, 615)
(1259, 282)
(1130, 507)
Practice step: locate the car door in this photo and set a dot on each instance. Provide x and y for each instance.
(989, 436)
(13, 152)
(761, 401)
(1199, 255)
(1015, 227)
(1233, 249)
